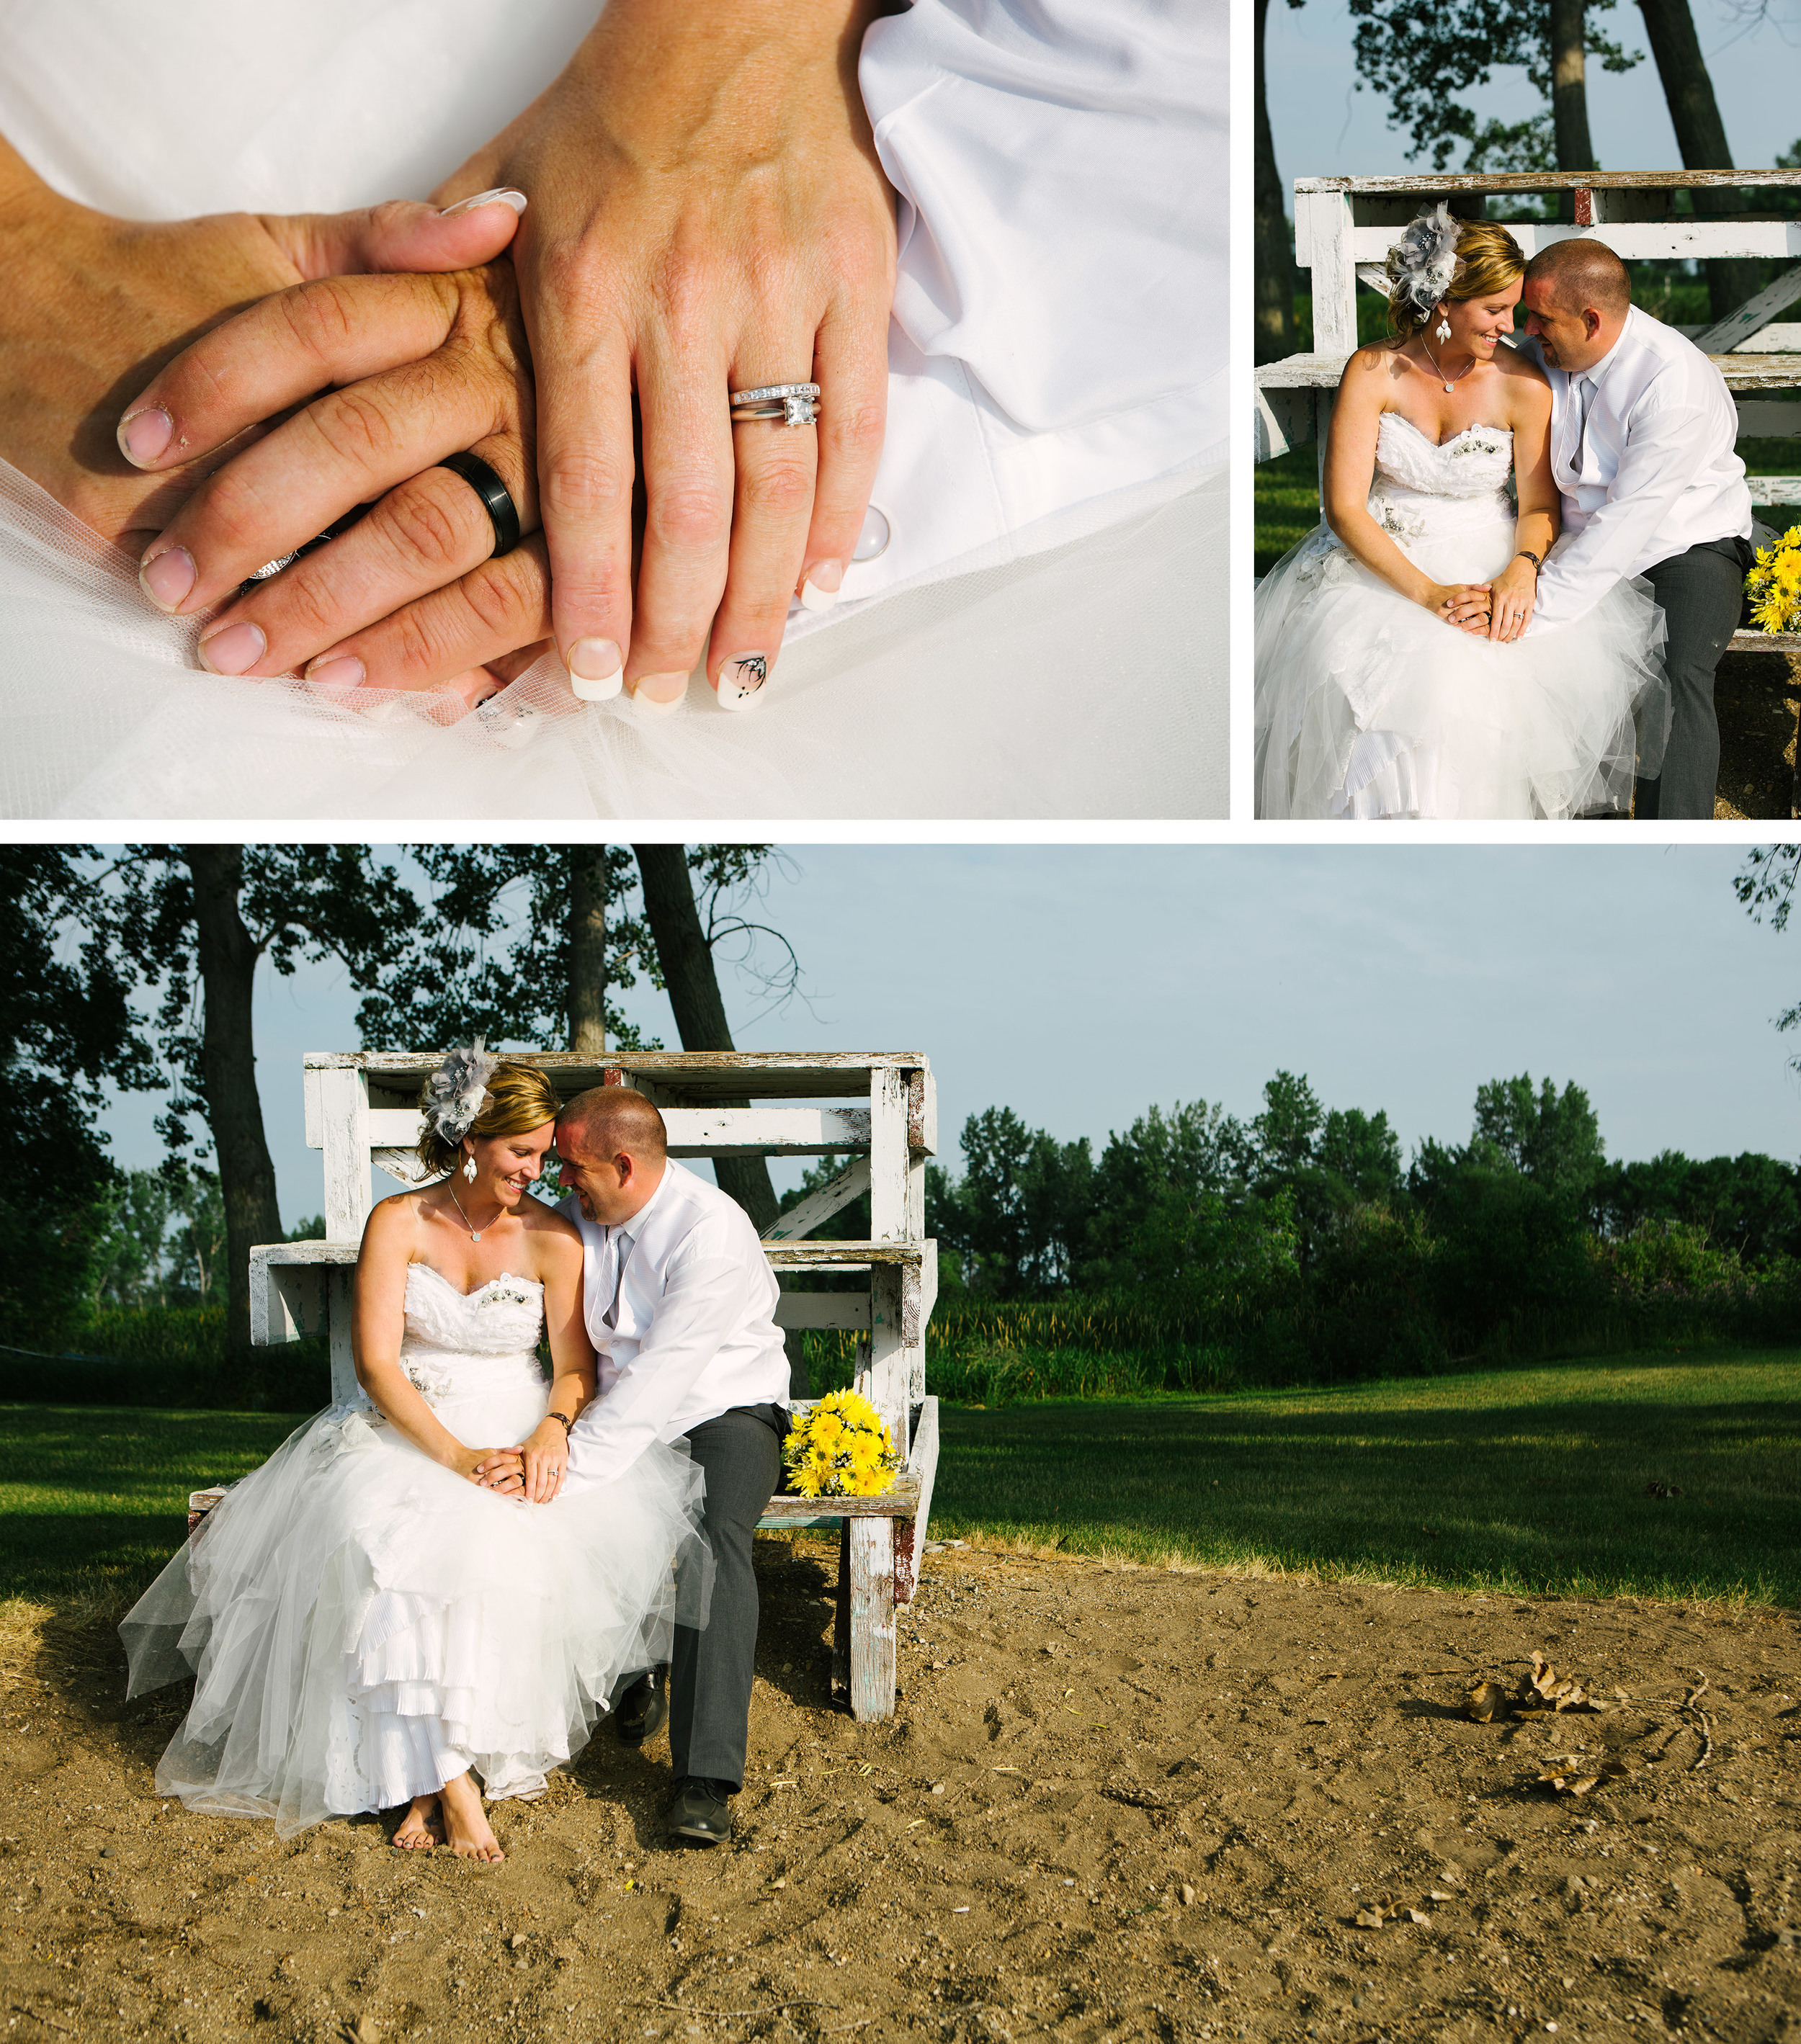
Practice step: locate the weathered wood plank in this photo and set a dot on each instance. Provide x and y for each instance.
(1742, 372)
(899, 1501)
(1766, 642)
(699, 1075)
(871, 1619)
(340, 1304)
(1329, 239)
(402, 1164)
(840, 1615)
(888, 1155)
(1737, 326)
(910, 1535)
(717, 1132)
(1427, 182)
(344, 1107)
(824, 1309)
(832, 1198)
(1773, 489)
(1633, 241)
(890, 1359)
(840, 1255)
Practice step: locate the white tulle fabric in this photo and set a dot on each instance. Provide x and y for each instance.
(1368, 706)
(363, 1625)
(1045, 634)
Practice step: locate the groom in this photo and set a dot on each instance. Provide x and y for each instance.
(679, 1300)
(1642, 427)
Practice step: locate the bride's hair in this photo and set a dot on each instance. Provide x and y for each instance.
(518, 1098)
(1440, 256)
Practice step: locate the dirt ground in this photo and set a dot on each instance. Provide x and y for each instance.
(1758, 698)
(1114, 1803)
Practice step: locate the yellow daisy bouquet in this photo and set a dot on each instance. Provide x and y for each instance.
(1774, 584)
(840, 1448)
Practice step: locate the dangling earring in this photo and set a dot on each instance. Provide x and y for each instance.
(1443, 329)
(469, 1168)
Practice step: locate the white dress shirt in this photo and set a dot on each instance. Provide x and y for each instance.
(679, 1302)
(1649, 473)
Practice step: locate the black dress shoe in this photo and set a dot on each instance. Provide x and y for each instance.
(642, 1712)
(702, 1813)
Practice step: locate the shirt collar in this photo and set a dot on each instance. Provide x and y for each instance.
(632, 1228)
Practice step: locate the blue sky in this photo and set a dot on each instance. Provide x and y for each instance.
(1321, 127)
(1078, 984)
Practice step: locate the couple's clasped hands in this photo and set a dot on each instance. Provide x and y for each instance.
(535, 1469)
(1500, 609)
(705, 214)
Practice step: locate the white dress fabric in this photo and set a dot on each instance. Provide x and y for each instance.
(1369, 705)
(1045, 633)
(363, 1624)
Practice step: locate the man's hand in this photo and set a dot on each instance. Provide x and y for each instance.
(1515, 591)
(501, 1469)
(415, 368)
(707, 215)
(93, 305)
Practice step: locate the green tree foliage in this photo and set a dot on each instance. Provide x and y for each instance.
(1552, 1138)
(66, 1031)
(1748, 1204)
(1025, 1203)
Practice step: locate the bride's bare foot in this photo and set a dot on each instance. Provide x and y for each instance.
(465, 1823)
(419, 1829)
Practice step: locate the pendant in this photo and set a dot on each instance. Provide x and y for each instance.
(475, 1235)
(1449, 388)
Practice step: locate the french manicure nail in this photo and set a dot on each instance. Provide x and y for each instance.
(662, 693)
(144, 436)
(595, 669)
(168, 577)
(233, 651)
(741, 679)
(501, 195)
(343, 670)
(824, 580)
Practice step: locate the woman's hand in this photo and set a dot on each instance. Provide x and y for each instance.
(415, 368)
(93, 305)
(1465, 605)
(707, 215)
(1515, 591)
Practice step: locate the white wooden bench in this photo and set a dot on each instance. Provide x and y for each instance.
(1345, 226)
(878, 1108)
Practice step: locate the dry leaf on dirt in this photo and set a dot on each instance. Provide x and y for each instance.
(1487, 1701)
(1545, 1688)
(1576, 1774)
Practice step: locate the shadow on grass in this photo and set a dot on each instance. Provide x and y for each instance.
(1450, 1480)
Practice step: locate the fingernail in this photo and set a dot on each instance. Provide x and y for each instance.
(595, 669)
(234, 650)
(168, 577)
(501, 195)
(741, 678)
(662, 693)
(343, 670)
(824, 580)
(144, 436)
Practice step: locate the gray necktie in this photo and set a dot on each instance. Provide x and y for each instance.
(623, 1245)
(1585, 390)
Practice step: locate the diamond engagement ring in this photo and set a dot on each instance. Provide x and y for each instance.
(794, 404)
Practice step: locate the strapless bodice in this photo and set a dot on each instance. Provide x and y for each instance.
(1475, 462)
(460, 1345)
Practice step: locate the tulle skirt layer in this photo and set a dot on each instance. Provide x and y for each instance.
(1369, 706)
(362, 1625)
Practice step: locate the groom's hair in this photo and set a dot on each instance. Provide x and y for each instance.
(617, 1118)
(1581, 274)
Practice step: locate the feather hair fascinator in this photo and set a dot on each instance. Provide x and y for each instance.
(455, 1092)
(1422, 264)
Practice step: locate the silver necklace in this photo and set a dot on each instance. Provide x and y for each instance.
(1433, 359)
(474, 1233)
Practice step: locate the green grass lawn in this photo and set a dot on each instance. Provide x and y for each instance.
(1517, 1480)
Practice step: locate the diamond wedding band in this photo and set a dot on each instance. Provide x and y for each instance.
(794, 404)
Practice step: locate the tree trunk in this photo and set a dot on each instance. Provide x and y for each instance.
(1273, 253)
(686, 960)
(587, 949)
(227, 955)
(1700, 135)
(1569, 93)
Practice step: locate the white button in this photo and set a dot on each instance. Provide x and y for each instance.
(872, 541)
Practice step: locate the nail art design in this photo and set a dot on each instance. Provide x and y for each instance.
(741, 679)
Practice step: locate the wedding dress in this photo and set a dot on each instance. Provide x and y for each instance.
(1045, 634)
(363, 1624)
(1369, 705)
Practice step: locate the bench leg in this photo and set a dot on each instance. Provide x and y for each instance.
(840, 1618)
(871, 1618)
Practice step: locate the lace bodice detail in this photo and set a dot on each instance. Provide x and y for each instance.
(503, 1317)
(1475, 463)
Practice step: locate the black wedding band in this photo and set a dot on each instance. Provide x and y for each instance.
(503, 513)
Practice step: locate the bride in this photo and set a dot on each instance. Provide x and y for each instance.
(1370, 702)
(370, 1622)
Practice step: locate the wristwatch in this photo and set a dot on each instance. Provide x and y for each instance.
(1526, 554)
